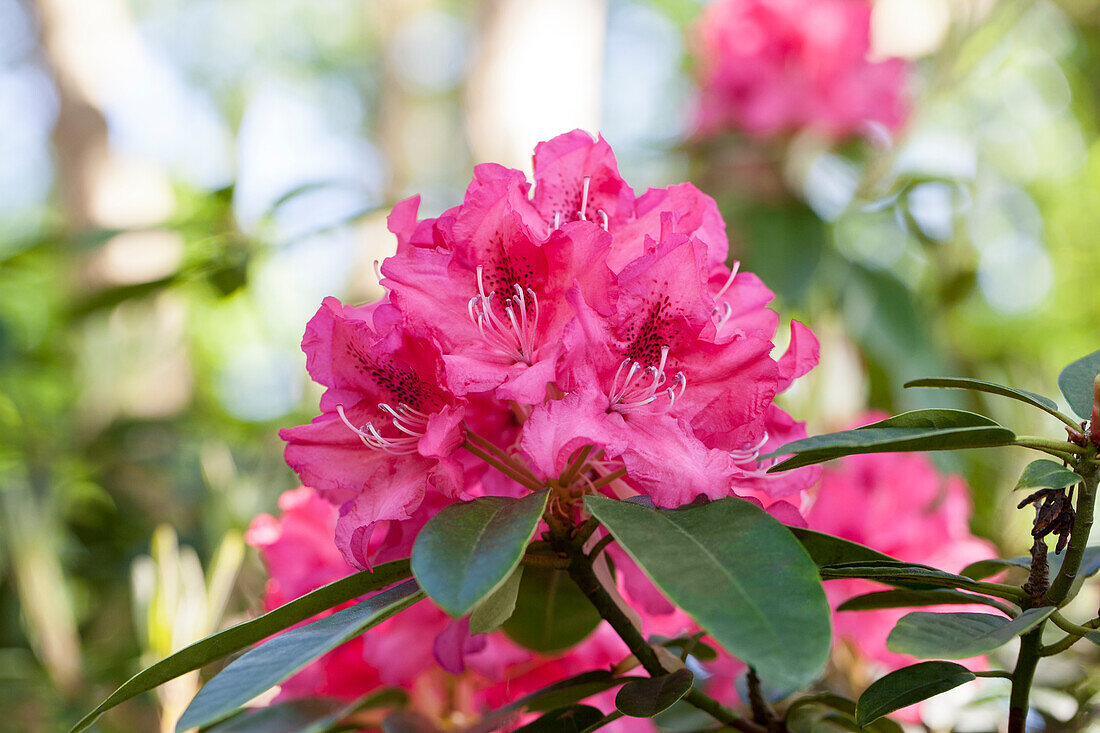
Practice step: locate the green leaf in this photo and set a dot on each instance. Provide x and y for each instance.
(551, 612)
(695, 647)
(287, 717)
(1044, 474)
(959, 635)
(772, 615)
(909, 685)
(569, 719)
(1076, 382)
(907, 598)
(798, 718)
(824, 549)
(467, 550)
(570, 690)
(907, 575)
(919, 430)
(247, 633)
(312, 715)
(267, 665)
(648, 697)
(1090, 564)
(491, 613)
(979, 385)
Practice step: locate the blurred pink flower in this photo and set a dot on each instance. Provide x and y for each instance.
(901, 505)
(768, 67)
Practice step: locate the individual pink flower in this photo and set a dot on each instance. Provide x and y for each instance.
(388, 426)
(898, 504)
(775, 66)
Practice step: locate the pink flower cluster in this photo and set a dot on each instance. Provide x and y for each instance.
(773, 66)
(898, 504)
(571, 331)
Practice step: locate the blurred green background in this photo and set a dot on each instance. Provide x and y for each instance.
(182, 181)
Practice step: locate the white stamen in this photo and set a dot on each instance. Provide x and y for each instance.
(603, 216)
(584, 198)
(729, 280)
(634, 391)
(749, 454)
(378, 270)
(401, 444)
(515, 334)
(557, 219)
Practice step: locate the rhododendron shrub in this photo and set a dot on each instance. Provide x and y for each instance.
(551, 460)
(769, 67)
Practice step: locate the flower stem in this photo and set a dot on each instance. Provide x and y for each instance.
(1060, 588)
(523, 478)
(1060, 591)
(580, 570)
(605, 480)
(1060, 448)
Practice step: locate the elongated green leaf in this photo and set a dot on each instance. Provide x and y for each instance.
(919, 430)
(706, 559)
(648, 697)
(287, 717)
(1044, 474)
(247, 633)
(907, 575)
(906, 598)
(824, 549)
(799, 716)
(467, 550)
(316, 715)
(568, 719)
(570, 690)
(1076, 382)
(1090, 564)
(980, 385)
(959, 635)
(274, 661)
(498, 606)
(909, 685)
(551, 613)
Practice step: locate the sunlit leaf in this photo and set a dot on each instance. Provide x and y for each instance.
(1045, 474)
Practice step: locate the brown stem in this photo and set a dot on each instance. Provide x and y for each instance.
(520, 478)
(580, 570)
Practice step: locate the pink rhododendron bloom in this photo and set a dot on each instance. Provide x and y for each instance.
(901, 505)
(564, 330)
(774, 66)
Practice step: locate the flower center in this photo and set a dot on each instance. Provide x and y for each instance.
(582, 213)
(635, 386)
(504, 323)
(411, 425)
